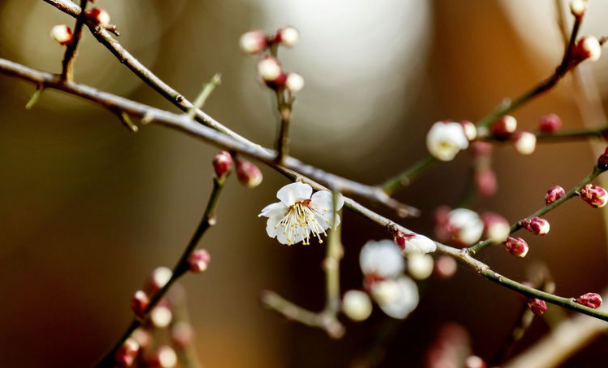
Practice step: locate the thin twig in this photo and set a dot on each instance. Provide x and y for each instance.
(576, 134)
(208, 88)
(284, 105)
(67, 71)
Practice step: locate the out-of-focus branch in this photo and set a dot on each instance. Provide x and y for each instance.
(577, 134)
(67, 72)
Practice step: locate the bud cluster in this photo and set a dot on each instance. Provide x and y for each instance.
(506, 128)
(269, 67)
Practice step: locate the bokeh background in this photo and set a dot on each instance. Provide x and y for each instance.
(87, 209)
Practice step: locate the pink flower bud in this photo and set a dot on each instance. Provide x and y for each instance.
(62, 34)
(595, 195)
(125, 355)
(474, 361)
(445, 267)
(164, 357)
(248, 174)
(553, 194)
(525, 143)
(578, 8)
(517, 247)
(99, 16)
(504, 127)
(470, 131)
(288, 36)
(139, 303)
(222, 164)
(480, 148)
(537, 306)
(537, 225)
(199, 260)
(486, 183)
(550, 123)
(182, 334)
(591, 300)
(158, 279)
(602, 161)
(294, 82)
(253, 42)
(496, 227)
(588, 47)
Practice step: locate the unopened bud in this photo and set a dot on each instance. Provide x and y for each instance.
(470, 131)
(537, 225)
(517, 247)
(602, 161)
(269, 69)
(139, 303)
(474, 361)
(164, 357)
(400, 238)
(588, 47)
(142, 337)
(495, 227)
(504, 127)
(537, 306)
(182, 334)
(294, 82)
(445, 267)
(578, 7)
(222, 164)
(420, 266)
(525, 143)
(485, 181)
(199, 260)
(161, 316)
(158, 279)
(248, 174)
(253, 42)
(62, 34)
(288, 36)
(356, 305)
(591, 300)
(99, 16)
(553, 194)
(595, 195)
(125, 355)
(550, 123)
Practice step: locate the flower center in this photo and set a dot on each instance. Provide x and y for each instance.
(302, 220)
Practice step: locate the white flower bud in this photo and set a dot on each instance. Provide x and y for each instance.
(445, 140)
(294, 82)
(525, 143)
(578, 7)
(161, 316)
(158, 279)
(356, 305)
(590, 48)
(62, 34)
(288, 36)
(165, 357)
(420, 266)
(381, 259)
(253, 42)
(419, 244)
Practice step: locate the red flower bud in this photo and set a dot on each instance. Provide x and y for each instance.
(504, 127)
(125, 355)
(199, 260)
(248, 174)
(550, 123)
(139, 303)
(595, 195)
(553, 194)
(99, 16)
(537, 225)
(400, 238)
(537, 306)
(222, 164)
(517, 247)
(253, 42)
(602, 161)
(486, 183)
(591, 300)
(588, 47)
(288, 36)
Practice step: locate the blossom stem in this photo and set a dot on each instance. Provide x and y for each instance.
(180, 268)
(404, 178)
(284, 105)
(518, 225)
(331, 264)
(67, 72)
(561, 136)
(200, 100)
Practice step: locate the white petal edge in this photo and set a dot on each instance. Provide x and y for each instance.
(294, 192)
(274, 209)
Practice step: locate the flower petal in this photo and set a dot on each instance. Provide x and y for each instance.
(401, 299)
(324, 199)
(271, 226)
(382, 258)
(294, 192)
(274, 209)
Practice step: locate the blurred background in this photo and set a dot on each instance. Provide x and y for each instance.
(88, 210)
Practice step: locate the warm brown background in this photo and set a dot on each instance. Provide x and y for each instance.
(87, 210)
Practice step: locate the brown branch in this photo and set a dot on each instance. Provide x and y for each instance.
(67, 72)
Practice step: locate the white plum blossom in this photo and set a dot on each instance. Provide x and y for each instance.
(300, 215)
(419, 244)
(446, 139)
(381, 259)
(396, 297)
